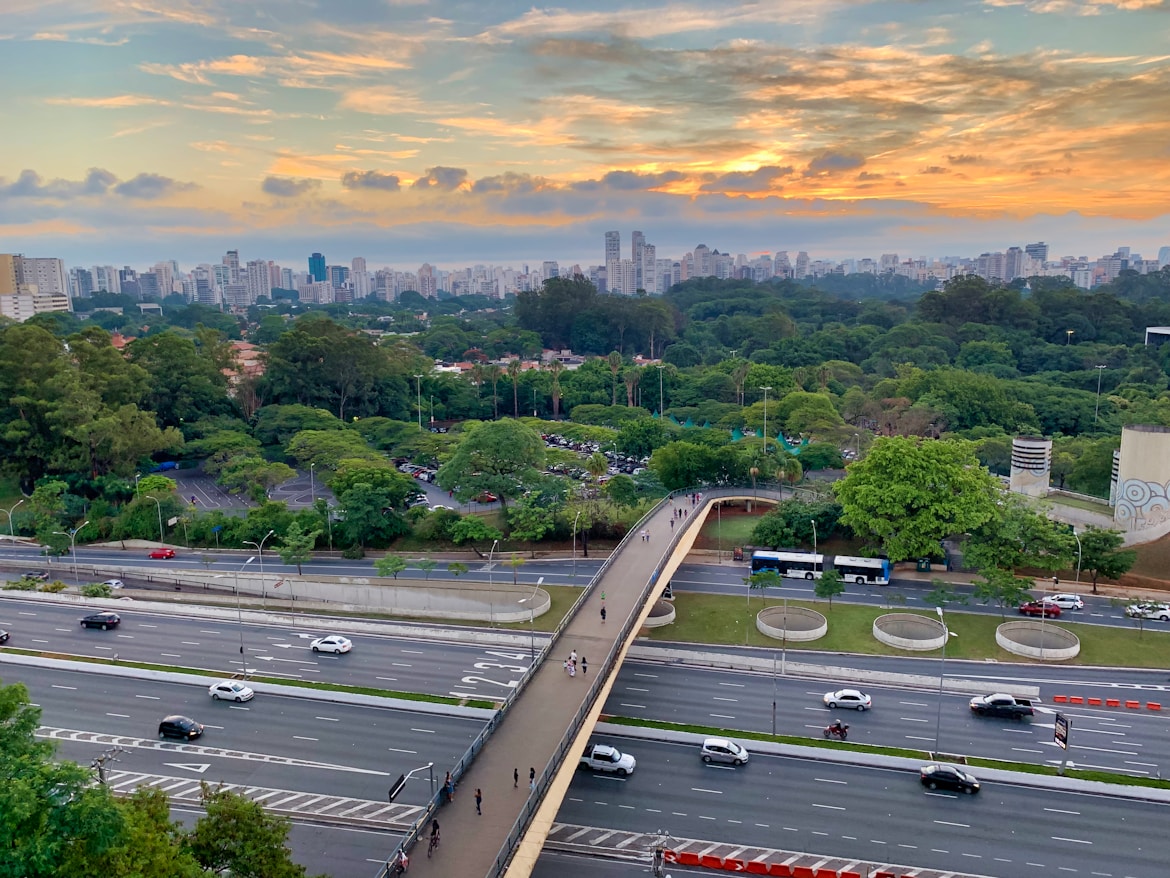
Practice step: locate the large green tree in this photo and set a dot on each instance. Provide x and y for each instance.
(1017, 535)
(1101, 554)
(909, 494)
(497, 456)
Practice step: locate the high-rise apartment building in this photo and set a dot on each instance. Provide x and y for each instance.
(621, 276)
(317, 267)
(359, 278)
(800, 270)
(549, 269)
(257, 281)
(613, 247)
(30, 285)
(637, 248)
(338, 275)
(428, 286)
(80, 283)
(1038, 251)
(646, 274)
(232, 260)
(1013, 264)
(1163, 257)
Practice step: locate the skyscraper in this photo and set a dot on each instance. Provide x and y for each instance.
(613, 247)
(317, 267)
(638, 242)
(1038, 251)
(232, 260)
(359, 277)
(1164, 257)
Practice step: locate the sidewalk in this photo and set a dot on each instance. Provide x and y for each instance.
(529, 735)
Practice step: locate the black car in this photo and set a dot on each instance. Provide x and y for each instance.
(101, 620)
(179, 727)
(39, 575)
(936, 776)
(3, 636)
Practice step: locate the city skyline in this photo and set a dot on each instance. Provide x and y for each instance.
(411, 131)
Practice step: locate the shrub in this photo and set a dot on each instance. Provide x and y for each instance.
(96, 590)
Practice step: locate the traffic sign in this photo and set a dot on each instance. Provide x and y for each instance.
(1060, 731)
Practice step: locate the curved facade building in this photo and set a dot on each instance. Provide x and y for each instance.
(1142, 496)
(1031, 465)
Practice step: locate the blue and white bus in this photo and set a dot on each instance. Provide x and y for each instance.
(797, 565)
(872, 571)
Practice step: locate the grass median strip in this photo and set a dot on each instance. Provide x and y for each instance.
(259, 678)
(977, 762)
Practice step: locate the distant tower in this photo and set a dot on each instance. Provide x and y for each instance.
(1031, 466)
(317, 267)
(638, 242)
(1038, 251)
(232, 260)
(1164, 257)
(613, 247)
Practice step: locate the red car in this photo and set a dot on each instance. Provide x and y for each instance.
(486, 497)
(162, 553)
(1036, 608)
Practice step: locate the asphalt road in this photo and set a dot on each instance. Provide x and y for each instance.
(1134, 742)
(724, 579)
(563, 571)
(397, 664)
(870, 814)
(289, 743)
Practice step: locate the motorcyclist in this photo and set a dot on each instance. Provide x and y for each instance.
(400, 863)
(835, 725)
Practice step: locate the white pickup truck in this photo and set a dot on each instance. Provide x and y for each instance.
(603, 757)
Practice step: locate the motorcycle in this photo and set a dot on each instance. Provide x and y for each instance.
(399, 864)
(838, 728)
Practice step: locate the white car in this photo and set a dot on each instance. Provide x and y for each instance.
(1066, 601)
(114, 583)
(848, 698)
(230, 690)
(723, 750)
(1161, 612)
(334, 643)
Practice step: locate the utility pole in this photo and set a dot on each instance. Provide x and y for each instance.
(100, 761)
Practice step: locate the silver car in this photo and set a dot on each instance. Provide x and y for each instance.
(723, 751)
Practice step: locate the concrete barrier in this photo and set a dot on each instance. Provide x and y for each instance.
(662, 614)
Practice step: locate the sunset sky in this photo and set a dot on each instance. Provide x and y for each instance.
(499, 131)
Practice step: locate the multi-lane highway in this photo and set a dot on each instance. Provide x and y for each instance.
(874, 814)
(400, 664)
(724, 579)
(1134, 741)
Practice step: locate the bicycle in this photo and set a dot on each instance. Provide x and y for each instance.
(434, 843)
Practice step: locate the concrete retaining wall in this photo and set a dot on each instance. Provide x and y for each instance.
(1027, 638)
(797, 624)
(909, 631)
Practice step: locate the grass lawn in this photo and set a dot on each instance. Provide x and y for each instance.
(735, 530)
(721, 619)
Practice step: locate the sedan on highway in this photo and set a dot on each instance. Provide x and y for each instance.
(848, 698)
(1040, 608)
(161, 553)
(179, 727)
(101, 620)
(1161, 612)
(724, 751)
(3, 636)
(334, 643)
(230, 690)
(937, 776)
(1066, 601)
(114, 583)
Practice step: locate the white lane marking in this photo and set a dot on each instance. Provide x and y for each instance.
(829, 780)
(829, 807)
(119, 715)
(203, 631)
(626, 704)
(412, 652)
(424, 731)
(56, 686)
(144, 625)
(149, 697)
(652, 677)
(917, 738)
(912, 719)
(912, 704)
(303, 738)
(1025, 750)
(947, 823)
(238, 707)
(636, 689)
(392, 679)
(736, 685)
(328, 719)
(170, 654)
(1062, 811)
(702, 790)
(1070, 840)
(188, 643)
(728, 716)
(732, 700)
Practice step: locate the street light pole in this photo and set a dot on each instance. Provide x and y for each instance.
(575, 519)
(260, 551)
(162, 537)
(814, 524)
(312, 484)
(137, 493)
(72, 534)
(491, 586)
(8, 512)
(240, 613)
(941, 674)
(1078, 539)
(661, 401)
(1097, 405)
(765, 388)
(418, 394)
(531, 601)
(719, 528)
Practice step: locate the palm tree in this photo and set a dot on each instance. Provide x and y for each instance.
(555, 367)
(597, 465)
(790, 470)
(494, 373)
(514, 370)
(615, 365)
(633, 377)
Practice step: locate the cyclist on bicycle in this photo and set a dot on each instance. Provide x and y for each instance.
(434, 835)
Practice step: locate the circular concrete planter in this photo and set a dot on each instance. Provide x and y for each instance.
(791, 623)
(909, 631)
(661, 614)
(1052, 644)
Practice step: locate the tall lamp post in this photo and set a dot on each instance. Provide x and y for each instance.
(765, 388)
(531, 601)
(418, 394)
(661, 400)
(1078, 539)
(162, 537)
(575, 520)
(260, 551)
(240, 614)
(312, 484)
(814, 524)
(72, 534)
(942, 672)
(491, 586)
(8, 512)
(137, 493)
(1097, 405)
(1068, 333)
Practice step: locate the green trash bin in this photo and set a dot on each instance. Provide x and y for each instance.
(923, 565)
